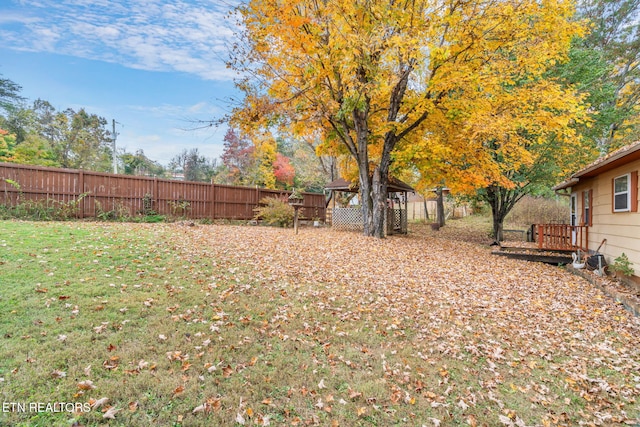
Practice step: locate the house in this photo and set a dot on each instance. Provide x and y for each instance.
(604, 202)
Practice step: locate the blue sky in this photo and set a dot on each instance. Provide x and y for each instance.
(152, 65)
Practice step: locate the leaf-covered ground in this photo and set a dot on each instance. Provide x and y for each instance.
(241, 325)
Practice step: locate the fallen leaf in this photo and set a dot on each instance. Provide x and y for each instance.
(86, 385)
(240, 419)
(58, 374)
(111, 413)
(178, 390)
(95, 404)
(200, 408)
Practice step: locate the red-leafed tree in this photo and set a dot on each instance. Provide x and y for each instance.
(283, 170)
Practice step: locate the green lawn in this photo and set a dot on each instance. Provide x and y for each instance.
(140, 324)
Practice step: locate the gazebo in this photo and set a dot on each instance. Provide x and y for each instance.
(350, 217)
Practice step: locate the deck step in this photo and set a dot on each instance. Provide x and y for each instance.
(536, 255)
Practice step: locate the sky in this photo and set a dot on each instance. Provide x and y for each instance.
(154, 66)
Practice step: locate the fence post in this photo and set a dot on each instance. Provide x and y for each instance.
(212, 214)
(81, 208)
(540, 235)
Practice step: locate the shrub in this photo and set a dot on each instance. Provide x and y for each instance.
(40, 209)
(147, 205)
(275, 212)
(179, 208)
(622, 265)
(119, 212)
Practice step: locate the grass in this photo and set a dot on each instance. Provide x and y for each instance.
(257, 326)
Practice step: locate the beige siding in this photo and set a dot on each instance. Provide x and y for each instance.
(621, 229)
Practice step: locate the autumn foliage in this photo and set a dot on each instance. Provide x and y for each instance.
(423, 81)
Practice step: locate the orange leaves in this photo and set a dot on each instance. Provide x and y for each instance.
(227, 371)
(178, 390)
(86, 385)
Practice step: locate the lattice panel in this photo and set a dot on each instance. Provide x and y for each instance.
(347, 219)
(399, 221)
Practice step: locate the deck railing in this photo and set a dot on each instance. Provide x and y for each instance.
(563, 237)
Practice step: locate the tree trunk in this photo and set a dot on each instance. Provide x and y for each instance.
(366, 202)
(380, 182)
(426, 211)
(498, 223)
(440, 207)
(502, 200)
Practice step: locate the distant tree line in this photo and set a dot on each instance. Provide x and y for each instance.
(38, 134)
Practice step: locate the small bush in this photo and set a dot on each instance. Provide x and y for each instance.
(42, 209)
(179, 208)
(119, 212)
(275, 212)
(622, 265)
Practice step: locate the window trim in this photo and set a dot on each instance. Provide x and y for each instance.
(627, 192)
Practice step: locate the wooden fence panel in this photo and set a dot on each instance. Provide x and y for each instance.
(182, 198)
(236, 202)
(125, 194)
(37, 183)
(119, 193)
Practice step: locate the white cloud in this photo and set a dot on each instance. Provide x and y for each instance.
(156, 35)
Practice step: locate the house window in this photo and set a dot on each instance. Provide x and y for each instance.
(622, 193)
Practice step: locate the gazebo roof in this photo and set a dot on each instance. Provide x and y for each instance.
(395, 186)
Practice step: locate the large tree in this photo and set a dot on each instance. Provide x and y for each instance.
(193, 165)
(9, 94)
(371, 74)
(139, 164)
(78, 139)
(614, 38)
(510, 140)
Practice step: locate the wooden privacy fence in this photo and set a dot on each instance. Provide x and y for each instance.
(102, 192)
(562, 237)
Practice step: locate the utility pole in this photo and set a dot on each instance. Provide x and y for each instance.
(115, 158)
